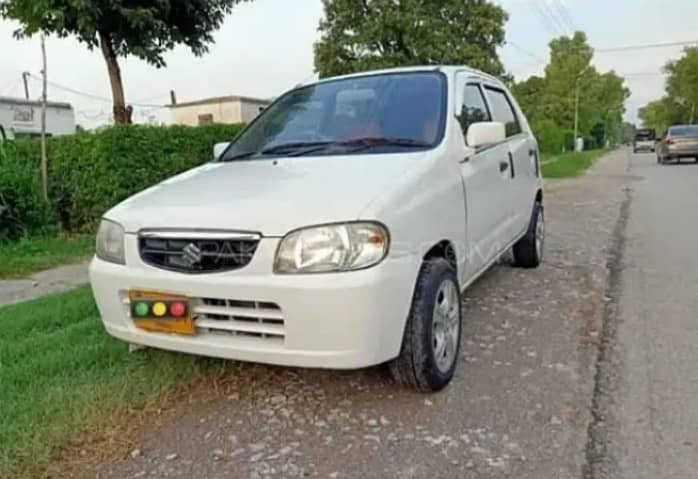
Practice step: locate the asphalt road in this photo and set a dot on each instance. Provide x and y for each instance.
(648, 395)
(533, 395)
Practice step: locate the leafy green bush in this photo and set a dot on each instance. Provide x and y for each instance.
(551, 137)
(22, 210)
(91, 172)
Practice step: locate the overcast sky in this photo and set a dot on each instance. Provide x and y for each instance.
(265, 47)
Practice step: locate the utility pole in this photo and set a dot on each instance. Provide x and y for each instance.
(25, 79)
(576, 113)
(44, 161)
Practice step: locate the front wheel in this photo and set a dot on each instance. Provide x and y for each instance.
(528, 251)
(431, 341)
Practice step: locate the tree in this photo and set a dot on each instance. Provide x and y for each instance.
(682, 83)
(144, 28)
(550, 102)
(660, 114)
(359, 35)
(680, 104)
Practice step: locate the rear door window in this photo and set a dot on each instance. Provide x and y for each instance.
(503, 111)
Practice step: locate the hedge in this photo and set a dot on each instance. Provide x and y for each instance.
(91, 172)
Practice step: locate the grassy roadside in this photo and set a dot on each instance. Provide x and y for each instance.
(63, 379)
(570, 165)
(35, 254)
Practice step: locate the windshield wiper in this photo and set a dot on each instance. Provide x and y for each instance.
(281, 148)
(374, 141)
(300, 148)
(304, 145)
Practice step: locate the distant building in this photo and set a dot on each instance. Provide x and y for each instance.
(21, 118)
(225, 109)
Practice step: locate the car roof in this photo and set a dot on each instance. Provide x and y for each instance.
(447, 69)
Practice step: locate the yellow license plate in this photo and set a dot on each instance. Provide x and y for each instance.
(161, 312)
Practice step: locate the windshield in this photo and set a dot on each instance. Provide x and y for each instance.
(690, 130)
(645, 135)
(385, 113)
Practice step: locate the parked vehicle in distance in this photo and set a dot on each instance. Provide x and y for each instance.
(644, 140)
(336, 231)
(681, 141)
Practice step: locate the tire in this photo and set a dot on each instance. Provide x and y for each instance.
(436, 295)
(528, 251)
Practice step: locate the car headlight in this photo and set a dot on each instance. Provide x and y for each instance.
(110, 242)
(330, 248)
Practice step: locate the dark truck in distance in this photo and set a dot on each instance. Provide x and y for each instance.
(681, 141)
(644, 140)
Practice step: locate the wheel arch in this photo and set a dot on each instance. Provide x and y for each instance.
(443, 249)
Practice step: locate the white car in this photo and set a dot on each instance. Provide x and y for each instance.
(336, 231)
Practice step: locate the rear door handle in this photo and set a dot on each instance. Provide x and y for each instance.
(503, 166)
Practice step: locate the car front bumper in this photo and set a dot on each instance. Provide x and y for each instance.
(338, 321)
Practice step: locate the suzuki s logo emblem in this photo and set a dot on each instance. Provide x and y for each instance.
(191, 254)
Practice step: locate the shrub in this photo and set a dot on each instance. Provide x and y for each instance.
(551, 137)
(23, 211)
(91, 172)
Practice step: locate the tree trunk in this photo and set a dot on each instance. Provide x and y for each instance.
(121, 115)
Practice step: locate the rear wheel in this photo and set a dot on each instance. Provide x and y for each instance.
(431, 340)
(528, 251)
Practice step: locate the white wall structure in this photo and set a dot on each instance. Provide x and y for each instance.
(21, 118)
(226, 109)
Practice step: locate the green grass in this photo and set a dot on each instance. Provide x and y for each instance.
(30, 255)
(569, 165)
(62, 378)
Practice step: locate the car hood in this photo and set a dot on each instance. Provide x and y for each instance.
(269, 196)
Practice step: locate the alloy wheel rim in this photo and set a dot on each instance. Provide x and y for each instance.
(446, 325)
(540, 235)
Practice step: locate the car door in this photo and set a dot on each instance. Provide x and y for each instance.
(522, 153)
(485, 176)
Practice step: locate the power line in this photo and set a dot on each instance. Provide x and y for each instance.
(525, 52)
(564, 13)
(6, 87)
(545, 21)
(548, 12)
(642, 74)
(645, 47)
(93, 96)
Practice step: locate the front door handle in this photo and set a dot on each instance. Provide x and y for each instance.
(503, 166)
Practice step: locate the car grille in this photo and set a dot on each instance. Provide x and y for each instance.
(231, 317)
(197, 252)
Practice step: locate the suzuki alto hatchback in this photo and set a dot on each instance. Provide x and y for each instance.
(336, 231)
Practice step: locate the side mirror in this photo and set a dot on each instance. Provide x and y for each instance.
(219, 148)
(485, 133)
